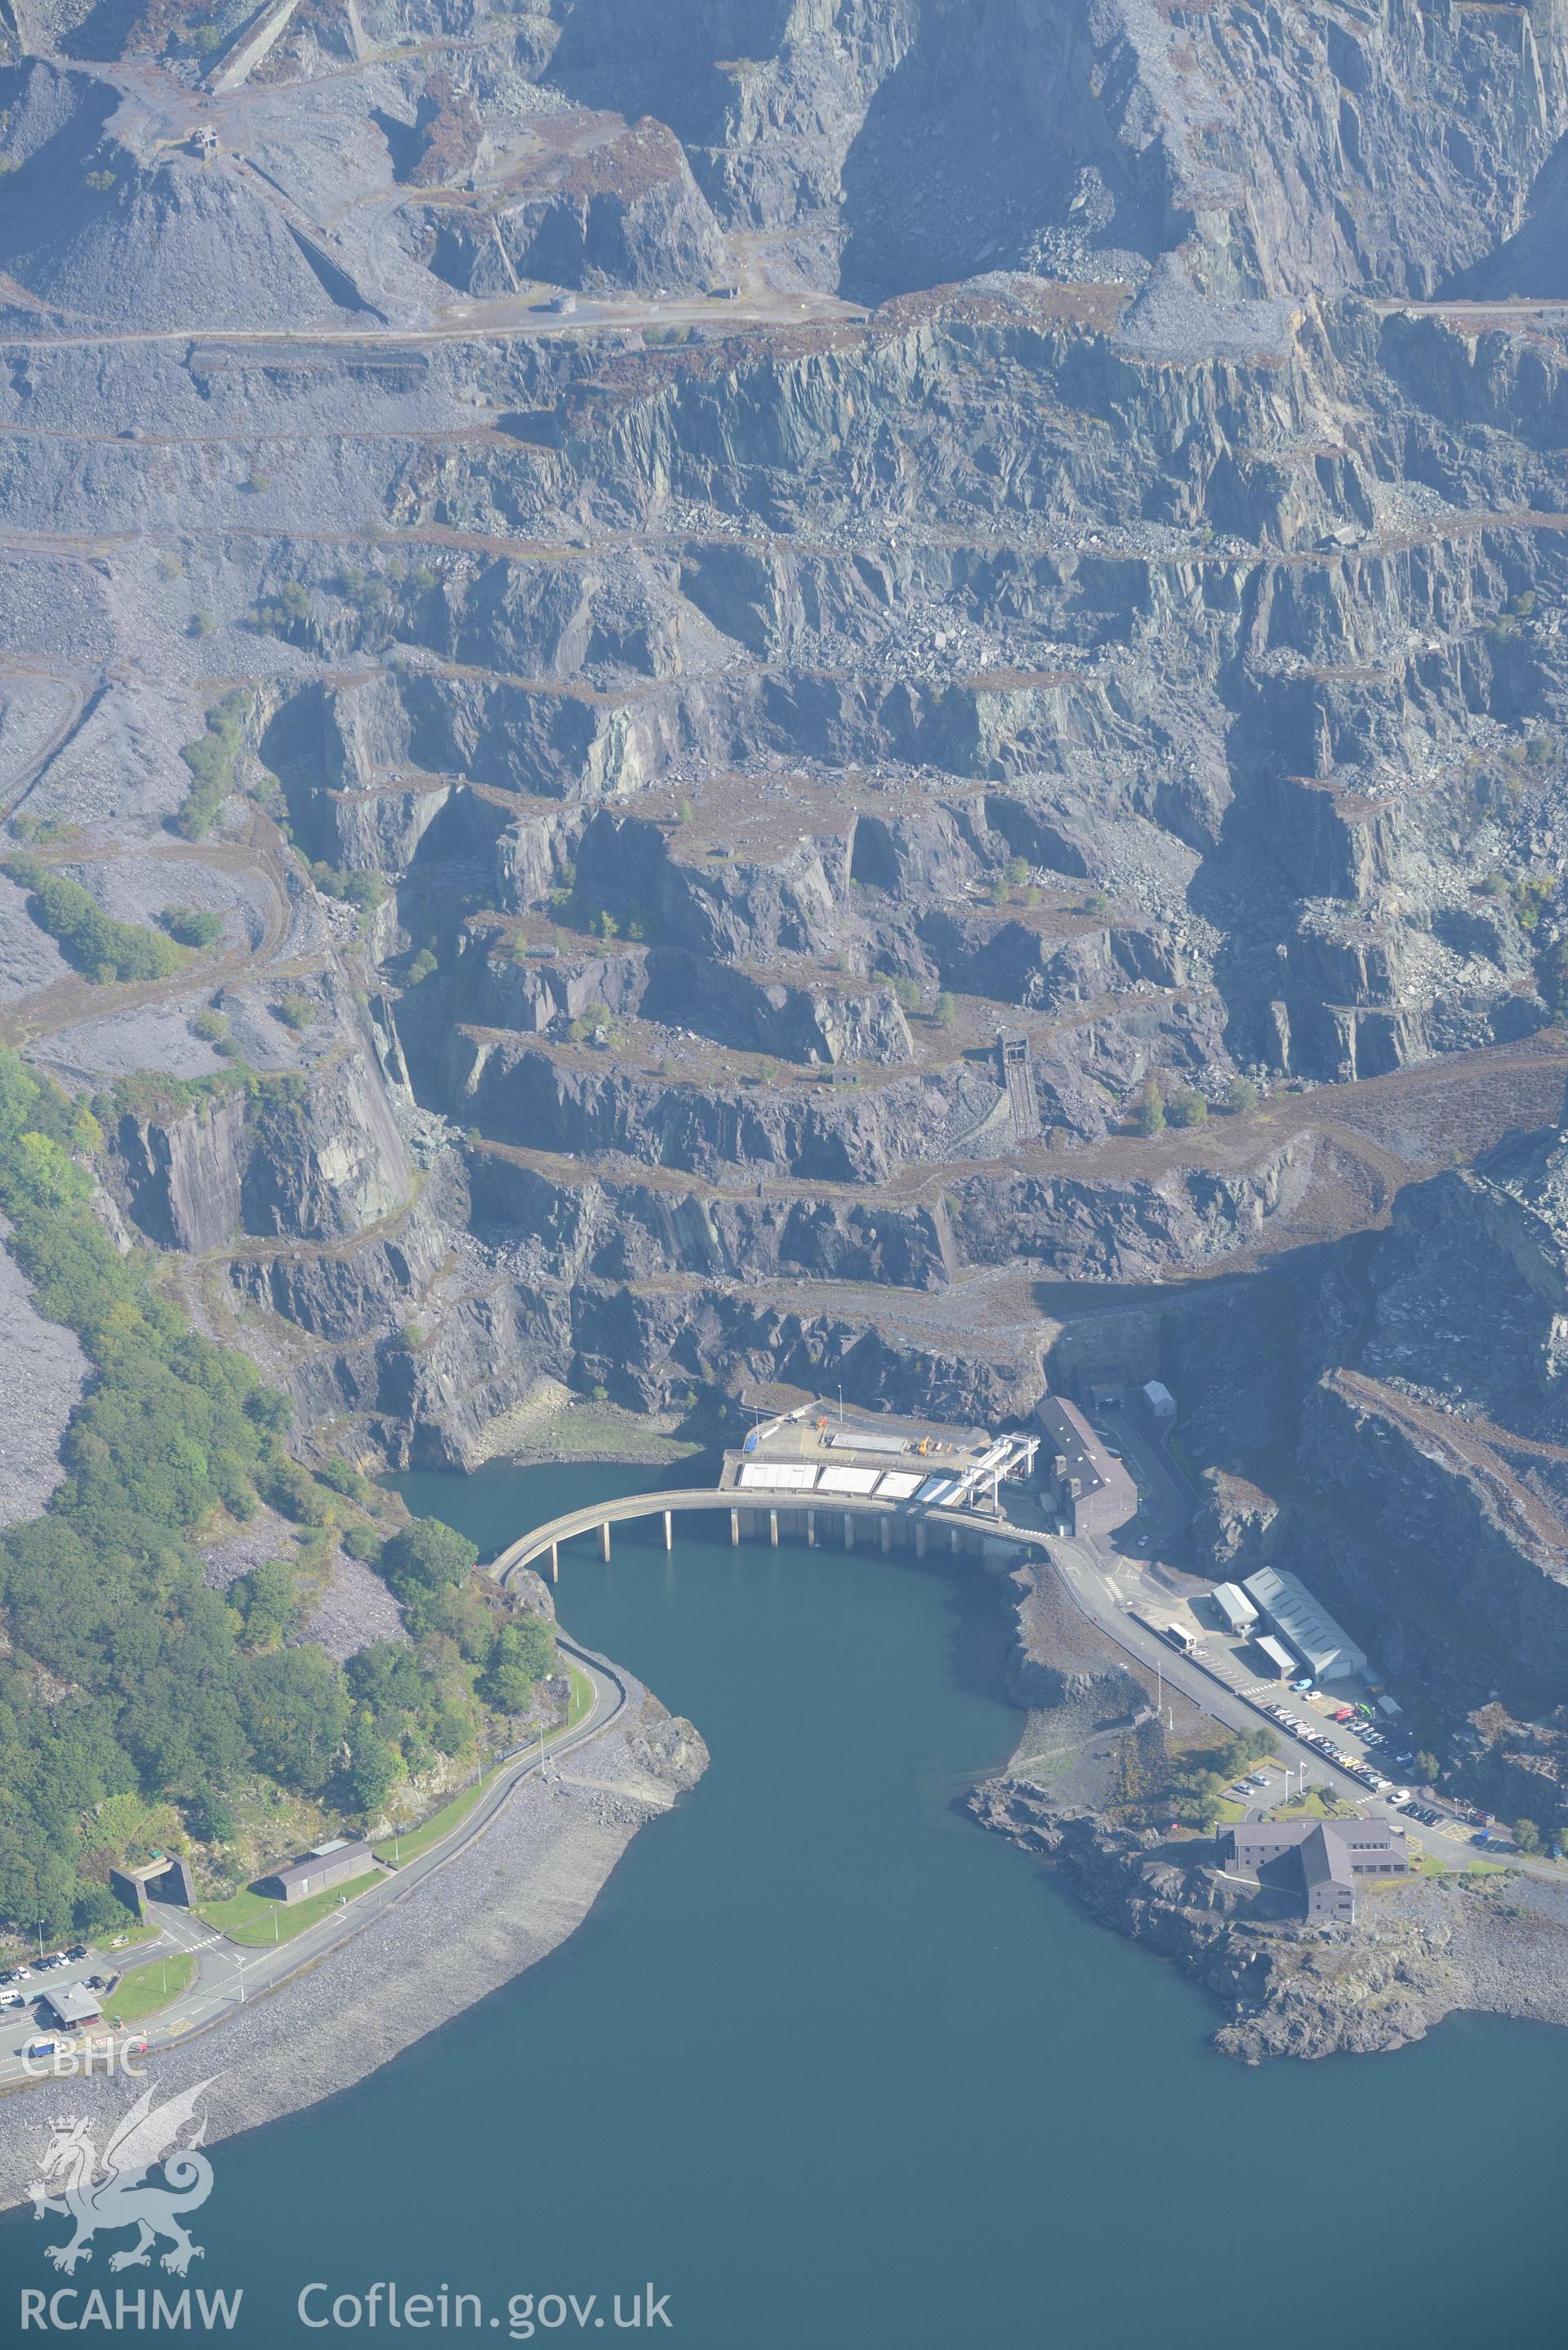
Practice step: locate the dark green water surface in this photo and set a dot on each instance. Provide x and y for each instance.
(830, 2066)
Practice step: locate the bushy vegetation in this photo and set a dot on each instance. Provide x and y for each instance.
(192, 926)
(159, 1690)
(151, 1095)
(1187, 1106)
(212, 759)
(1197, 1784)
(101, 948)
(358, 886)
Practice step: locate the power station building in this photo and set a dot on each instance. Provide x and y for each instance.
(1323, 1860)
(1095, 1493)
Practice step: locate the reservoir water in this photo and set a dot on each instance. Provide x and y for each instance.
(835, 2070)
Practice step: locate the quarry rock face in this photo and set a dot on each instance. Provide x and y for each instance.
(853, 677)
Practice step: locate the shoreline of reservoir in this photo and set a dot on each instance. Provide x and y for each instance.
(512, 1893)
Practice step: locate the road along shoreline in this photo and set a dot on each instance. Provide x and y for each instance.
(1421, 1948)
(521, 1875)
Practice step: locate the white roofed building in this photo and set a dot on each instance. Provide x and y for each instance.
(1325, 1646)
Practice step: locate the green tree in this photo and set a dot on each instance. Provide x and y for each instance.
(296, 1712)
(211, 1819)
(1526, 1835)
(1240, 1097)
(425, 1557)
(525, 1653)
(101, 948)
(946, 1010)
(214, 758)
(268, 1600)
(192, 926)
(374, 1770)
(1187, 1106)
(1150, 1110)
(96, 1911)
(1428, 1768)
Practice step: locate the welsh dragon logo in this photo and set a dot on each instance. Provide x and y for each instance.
(114, 2191)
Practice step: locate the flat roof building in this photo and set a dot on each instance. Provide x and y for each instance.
(1324, 1858)
(329, 1864)
(1094, 1492)
(1235, 1607)
(1277, 1659)
(1325, 1646)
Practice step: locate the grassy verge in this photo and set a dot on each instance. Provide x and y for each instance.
(398, 1851)
(253, 1919)
(1308, 1807)
(129, 1935)
(582, 1695)
(149, 1987)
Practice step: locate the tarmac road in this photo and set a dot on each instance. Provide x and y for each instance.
(1109, 1584)
(227, 1974)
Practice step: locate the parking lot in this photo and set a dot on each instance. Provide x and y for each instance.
(1361, 1757)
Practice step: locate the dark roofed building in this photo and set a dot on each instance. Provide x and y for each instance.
(1325, 1857)
(329, 1864)
(1094, 1492)
(73, 2006)
(1328, 1877)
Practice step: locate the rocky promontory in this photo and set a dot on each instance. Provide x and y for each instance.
(1423, 1948)
(1076, 1792)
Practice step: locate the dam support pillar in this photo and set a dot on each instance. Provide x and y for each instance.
(604, 1541)
(773, 1530)
(555, 1562)
(886, 1536)
(669, 1530)
(848, 1530)
(811, 1528)
(734, 1529)
(920, 1537)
